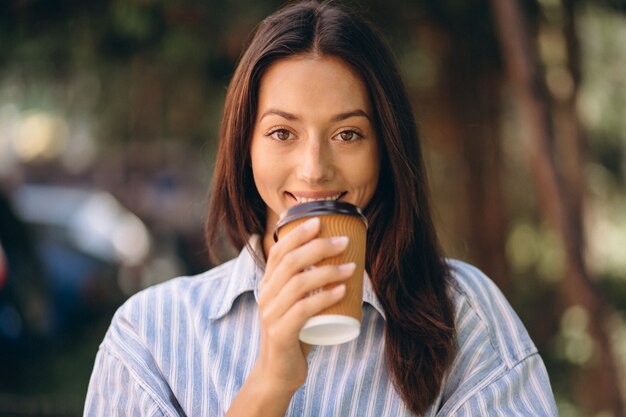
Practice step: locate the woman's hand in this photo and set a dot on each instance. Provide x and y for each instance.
(283, 302)
(284, 306)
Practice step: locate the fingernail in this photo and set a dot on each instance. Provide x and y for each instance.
(347, 269)
(339, 241)
(311, 224)
(338, 290)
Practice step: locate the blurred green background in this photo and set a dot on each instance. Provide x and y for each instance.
(108, 118)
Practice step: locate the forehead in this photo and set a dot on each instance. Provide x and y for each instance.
(311, 82)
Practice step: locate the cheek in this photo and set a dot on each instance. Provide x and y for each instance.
(258, 172)
(363, 175)
(372, 180)
(370, 176)
(267, 173)
(262, 176)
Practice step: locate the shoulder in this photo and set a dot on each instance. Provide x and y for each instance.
(184, 305)
(205, 289)
(480, 307)
(151, 316)
(494, 351)
(150, 340)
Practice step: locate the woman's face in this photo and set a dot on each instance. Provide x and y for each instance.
(314, 135)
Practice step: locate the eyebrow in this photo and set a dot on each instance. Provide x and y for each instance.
(337, 118)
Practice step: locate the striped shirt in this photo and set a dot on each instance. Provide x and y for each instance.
(185, 347)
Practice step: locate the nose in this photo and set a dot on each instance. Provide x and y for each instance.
(316, 162)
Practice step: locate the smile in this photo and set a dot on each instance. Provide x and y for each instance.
(316, 196)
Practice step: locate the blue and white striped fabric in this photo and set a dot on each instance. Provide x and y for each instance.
(185, 347)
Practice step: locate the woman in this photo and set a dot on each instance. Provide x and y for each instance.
(316, 110)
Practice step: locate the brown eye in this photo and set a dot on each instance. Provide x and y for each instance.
(281, 134)
(347, 135)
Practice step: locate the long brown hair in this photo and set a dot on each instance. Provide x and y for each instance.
(407, 269)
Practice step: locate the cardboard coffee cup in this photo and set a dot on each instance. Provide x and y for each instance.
(341, 322)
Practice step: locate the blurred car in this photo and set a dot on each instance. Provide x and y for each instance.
(92, 221)
(81, 239)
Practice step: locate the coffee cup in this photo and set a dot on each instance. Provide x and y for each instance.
(341, 322)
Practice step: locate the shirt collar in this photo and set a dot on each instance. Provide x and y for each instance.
(369, 296)
(242, 277)
(246, 275)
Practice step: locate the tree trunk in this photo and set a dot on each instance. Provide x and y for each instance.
(561, 203)
(464, 125)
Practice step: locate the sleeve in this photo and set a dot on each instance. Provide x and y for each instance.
(522, 391)
(114, 391)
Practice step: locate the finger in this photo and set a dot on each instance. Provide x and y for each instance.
(310, 254)
(295, 238)
(304, 283)
(291, 323)
(302, 258)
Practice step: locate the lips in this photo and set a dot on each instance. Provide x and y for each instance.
(308, 196)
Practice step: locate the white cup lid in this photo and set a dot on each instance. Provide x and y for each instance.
(330, 329)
